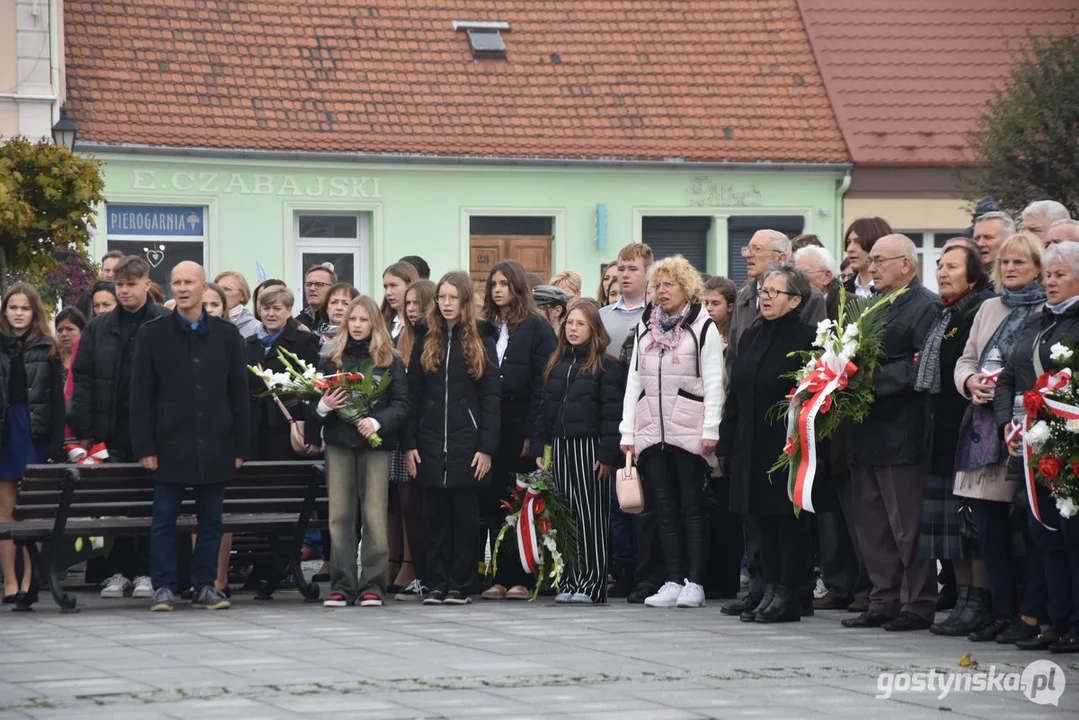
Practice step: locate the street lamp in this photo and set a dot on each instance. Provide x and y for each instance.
(64, 131)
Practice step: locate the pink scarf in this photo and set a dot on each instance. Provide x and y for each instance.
(666, 332)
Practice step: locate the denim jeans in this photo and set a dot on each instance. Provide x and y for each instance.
(358, 482)
(168, 498)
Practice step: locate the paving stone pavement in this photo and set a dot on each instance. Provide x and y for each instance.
(287, 658)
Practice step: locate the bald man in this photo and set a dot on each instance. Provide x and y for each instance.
(887, 452)
(189, 420)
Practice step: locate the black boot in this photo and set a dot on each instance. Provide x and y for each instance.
(785, 607)
(746, 604)
(990, 632)
(805, 602)
(973, 616)
(623, 584)
(751, 613)
(959, 604)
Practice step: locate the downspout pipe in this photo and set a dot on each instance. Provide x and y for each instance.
(844, 185)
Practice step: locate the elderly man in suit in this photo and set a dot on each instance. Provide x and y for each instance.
(887, 452)
(189, 427)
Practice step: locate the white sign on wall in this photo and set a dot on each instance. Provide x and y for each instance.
(225, 183)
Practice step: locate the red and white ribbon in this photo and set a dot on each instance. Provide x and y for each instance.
(527, 538)
(78, 455)
(1046, 384)
(831, 375)
(990, 377)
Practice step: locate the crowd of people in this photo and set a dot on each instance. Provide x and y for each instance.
(677, 371)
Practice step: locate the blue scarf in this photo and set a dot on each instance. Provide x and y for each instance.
(268, 340)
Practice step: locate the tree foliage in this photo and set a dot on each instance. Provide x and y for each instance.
(47, 197)
(1026, 145)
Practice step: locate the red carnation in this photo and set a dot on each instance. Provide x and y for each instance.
(507, 506)
(1050, 467)
(539, 506)
(544, 525)
(355, 377)
(1033, 402)
(1075, 468)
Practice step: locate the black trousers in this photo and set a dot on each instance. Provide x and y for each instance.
(450, 518)
(674, 481)
(841, 563)
(784, 549)
(726, 542)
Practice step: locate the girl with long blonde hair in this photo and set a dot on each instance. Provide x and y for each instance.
(358, 470)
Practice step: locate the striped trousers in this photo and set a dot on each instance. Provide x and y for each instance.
(589, 504)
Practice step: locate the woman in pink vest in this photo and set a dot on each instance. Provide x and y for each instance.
(670, 421)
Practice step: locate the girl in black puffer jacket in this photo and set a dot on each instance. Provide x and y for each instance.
(452, 436)
(357, 472)
(523, 343)
(579, 415)
(31, 409)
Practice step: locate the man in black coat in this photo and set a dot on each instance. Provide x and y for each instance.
(101, 405)
(189, 428)
(887, 452)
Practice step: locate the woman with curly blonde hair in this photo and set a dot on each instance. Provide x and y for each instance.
(454, 431)
(670, 421)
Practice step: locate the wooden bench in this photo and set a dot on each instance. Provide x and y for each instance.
(58, 503)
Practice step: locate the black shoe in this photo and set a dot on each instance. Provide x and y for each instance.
(805, 602)
(11, 599)
(1067, 644)
(640, 594)
(783, 608)
(990, 632)
(750, 614)
(456, 597)
(435, 597)
(1041, 641)
(906, 622)
(958, 604)
(973, 617)
(1017, 631)
(868, 619)
(749, 602)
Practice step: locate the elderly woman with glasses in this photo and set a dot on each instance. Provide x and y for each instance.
(1058, 537)
(751, 438)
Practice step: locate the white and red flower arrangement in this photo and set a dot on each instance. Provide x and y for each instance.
(1050, 435)
(543, 528)
(301, 381)
(834, 384)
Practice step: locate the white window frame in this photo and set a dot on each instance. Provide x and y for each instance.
(358, 246)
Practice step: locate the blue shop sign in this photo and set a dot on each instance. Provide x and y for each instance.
(155, 220)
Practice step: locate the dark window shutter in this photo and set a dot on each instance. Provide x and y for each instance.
(740, 231)
(685, 236)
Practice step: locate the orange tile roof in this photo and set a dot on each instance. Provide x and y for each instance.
(701, 80)
(907, 78)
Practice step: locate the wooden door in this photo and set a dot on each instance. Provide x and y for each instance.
(532, 251)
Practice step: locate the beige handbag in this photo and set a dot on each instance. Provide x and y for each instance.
(627, 486)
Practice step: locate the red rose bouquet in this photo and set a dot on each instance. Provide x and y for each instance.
(1050, 435)
(302, 381)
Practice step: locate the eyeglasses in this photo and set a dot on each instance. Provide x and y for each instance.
(772, 293)
(749, 251)
(877, 262)
(311, 284)
(666, 285)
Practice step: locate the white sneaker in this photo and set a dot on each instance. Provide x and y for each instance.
(667, 596)
(143, 587)
(692, 596)
(117, 587)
